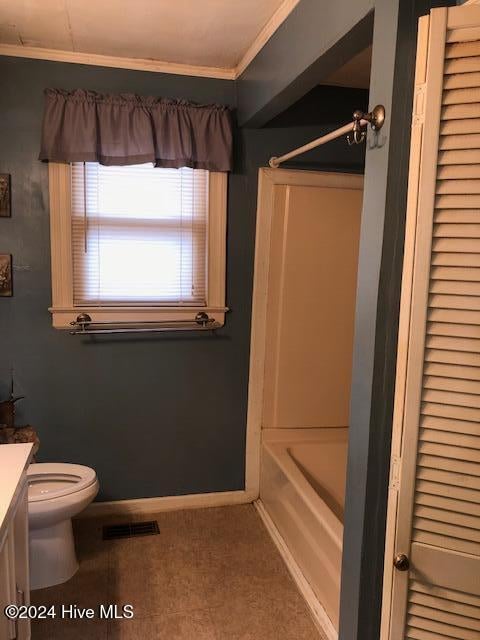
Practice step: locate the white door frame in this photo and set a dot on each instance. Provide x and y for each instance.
(268, 179)
(405, 318)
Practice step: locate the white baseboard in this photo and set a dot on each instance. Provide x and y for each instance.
(167, 503)
(319, 615)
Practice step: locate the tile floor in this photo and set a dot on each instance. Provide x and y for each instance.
(211, 574)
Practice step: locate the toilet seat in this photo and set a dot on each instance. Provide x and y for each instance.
(53, 480)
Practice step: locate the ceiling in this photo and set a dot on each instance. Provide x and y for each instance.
(221, 34)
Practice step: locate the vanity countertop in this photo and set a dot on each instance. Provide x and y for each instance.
(14, 459)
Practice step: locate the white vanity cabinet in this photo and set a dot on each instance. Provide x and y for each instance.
(14, 572)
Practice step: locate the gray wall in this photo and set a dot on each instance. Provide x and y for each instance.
(154, 416)
(355, 575)
(315, 39)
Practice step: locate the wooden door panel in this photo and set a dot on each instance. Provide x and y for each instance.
(434, 496)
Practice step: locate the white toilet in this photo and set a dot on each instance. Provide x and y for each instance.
(56, 493)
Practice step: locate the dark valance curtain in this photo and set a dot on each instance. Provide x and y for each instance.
(84, 126)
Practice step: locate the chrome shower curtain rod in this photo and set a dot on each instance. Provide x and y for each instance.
(374, 118)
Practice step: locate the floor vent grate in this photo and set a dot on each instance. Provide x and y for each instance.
(130, 530)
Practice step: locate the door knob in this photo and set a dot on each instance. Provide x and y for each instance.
(401, 562)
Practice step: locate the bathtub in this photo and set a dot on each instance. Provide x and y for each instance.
(302, 488)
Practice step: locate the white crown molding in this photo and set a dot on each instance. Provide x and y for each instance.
(95, 59)
(157, 66)
(280, 15)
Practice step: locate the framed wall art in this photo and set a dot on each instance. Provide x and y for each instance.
(6, 285)
(5, 195)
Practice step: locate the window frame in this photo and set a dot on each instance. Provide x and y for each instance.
(63, 309)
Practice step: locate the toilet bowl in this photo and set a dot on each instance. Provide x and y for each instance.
(56, 493)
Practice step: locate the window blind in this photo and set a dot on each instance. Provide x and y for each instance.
(139, 235)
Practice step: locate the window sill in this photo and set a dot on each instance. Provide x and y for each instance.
(62, 317)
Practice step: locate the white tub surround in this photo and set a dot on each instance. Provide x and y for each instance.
(302, 488)
(14, 572)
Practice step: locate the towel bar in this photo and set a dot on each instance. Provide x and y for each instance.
(85, 326)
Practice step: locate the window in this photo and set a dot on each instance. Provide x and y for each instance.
(136, 243)
(139, 235)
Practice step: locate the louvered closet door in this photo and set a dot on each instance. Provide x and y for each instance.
(434, 504)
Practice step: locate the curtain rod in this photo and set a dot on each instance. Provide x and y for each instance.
(374, 118)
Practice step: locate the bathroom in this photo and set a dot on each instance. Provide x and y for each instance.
(169, 425)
